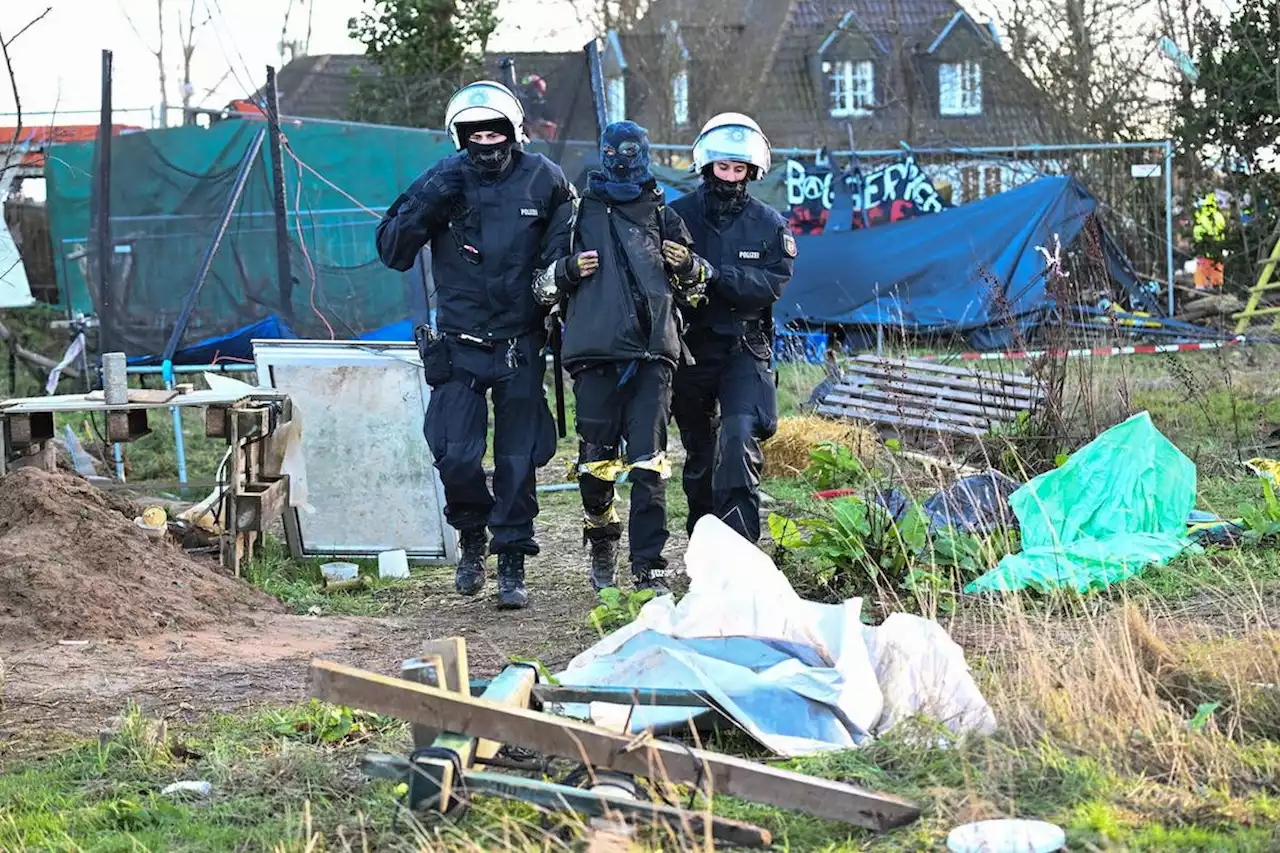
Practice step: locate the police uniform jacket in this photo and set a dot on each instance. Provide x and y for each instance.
(752, 254)
(484, 236)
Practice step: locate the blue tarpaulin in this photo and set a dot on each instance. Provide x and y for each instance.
(231, 346)
(970, 268)
(238, 345)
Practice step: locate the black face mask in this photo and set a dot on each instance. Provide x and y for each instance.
(726, 191)
(490, 158)
(724, 199)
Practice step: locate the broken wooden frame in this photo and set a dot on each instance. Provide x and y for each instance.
(256, 493)
(641, 755)
(431, 773)
(914, 394)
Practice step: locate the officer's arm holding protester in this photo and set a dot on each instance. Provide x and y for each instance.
(655, 299)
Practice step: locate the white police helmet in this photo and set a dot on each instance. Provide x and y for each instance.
(481, 102)
(733, 136)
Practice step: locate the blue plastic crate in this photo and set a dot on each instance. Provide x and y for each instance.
(801, 346)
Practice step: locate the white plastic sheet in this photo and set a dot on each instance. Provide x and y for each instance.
(862, 679)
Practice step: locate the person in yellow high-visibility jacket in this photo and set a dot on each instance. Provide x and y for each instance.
(1209, 230)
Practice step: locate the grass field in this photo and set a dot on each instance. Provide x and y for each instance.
(1145, 718)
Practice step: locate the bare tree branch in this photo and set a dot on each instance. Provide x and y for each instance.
(13, 84)
(187, 36)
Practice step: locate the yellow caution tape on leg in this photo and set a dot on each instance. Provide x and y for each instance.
(658, 462)
(608, 470)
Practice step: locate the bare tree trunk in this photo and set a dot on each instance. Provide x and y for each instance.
(188, 36)
(164, 75)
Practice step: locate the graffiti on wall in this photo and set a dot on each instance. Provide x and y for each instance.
(809, 196)
(896, 192)
(889, 194)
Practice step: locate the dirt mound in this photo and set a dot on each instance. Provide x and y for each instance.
(74, 566)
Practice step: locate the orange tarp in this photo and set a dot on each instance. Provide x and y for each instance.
(40, 137)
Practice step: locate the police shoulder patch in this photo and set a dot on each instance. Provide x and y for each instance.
(788, 244)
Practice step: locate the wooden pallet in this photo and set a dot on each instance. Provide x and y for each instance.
(256, 493)
(911, 394)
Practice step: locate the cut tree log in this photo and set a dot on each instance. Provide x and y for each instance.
(34, 359)
(641, 755)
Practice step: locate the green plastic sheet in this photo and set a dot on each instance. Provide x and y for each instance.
(1118, 505)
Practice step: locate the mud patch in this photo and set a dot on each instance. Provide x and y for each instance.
(74, 566)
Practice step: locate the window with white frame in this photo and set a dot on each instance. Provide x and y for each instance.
(852, 87)
(960, 88)
(680, 98)
(615, 99)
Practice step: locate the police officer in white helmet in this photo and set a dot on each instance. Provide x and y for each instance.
(725, 403)
(483, 212)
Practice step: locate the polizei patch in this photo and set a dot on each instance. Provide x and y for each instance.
(528, 211)
(749, 255)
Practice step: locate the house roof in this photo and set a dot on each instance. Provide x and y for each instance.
(751, 29)
(849, 22)
(322, 86)
(319, 86)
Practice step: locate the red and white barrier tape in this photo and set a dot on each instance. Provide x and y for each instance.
(1096, 352)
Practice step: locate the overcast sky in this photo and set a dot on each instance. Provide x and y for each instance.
(58, 60)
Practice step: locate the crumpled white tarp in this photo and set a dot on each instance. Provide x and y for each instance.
(799, 676)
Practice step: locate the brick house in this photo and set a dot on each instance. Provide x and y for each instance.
(926, 73)
(922, 72)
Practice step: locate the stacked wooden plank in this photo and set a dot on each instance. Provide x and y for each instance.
(911, 394)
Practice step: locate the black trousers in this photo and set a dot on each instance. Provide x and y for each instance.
(617, 403)
(725, 405)
(524, 439)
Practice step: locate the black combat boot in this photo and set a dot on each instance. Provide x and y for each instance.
(511, 591)
(469, 577)
(604, 563)
(650, 574)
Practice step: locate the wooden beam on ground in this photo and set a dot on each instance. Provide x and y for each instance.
(453, 653)
(423, 670)
(549, 795)
(641, 755)
(950, 370)
(434, 778)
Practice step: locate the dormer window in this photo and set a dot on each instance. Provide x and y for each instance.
(852, 85)
(960, 88)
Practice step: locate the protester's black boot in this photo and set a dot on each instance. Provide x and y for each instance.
(650, 574)
(604, 563)
(469, 577)
(511, 591)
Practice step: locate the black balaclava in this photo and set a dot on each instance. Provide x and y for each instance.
(489, 159)
(724, 199)
(626, 170)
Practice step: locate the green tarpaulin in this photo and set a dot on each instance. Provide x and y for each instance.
(1118, 505)
(168, 190)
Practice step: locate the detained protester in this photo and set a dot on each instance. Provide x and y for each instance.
(725, 402)
(618, 261)
(484, 212)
